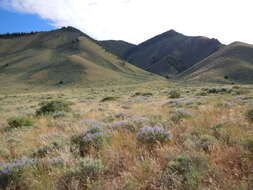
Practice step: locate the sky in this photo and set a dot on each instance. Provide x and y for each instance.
(20, 22)
(133, 20)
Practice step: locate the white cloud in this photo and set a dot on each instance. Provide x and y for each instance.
(138, 20)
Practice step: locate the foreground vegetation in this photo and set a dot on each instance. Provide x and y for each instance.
(138, 137)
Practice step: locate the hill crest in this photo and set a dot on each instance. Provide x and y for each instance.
(232, 63)
(62, 58)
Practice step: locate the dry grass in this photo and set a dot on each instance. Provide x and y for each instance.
(211, 141)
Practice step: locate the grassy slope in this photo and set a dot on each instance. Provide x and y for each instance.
(117, 47)
(67, 55)
(171, 52)
(234, 61)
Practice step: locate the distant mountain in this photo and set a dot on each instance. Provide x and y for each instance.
(64, 57)
(117, 47)
(233, 63)
(171, 53)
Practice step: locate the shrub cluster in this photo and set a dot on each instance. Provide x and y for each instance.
(43, 151)
(181, 164)
(190, 168)
(109, 98)
(90, 168)
(206, 141)
(201, 94)
(12, 173)
(20, 121)
(85, 171)
(59, 114)
(174, 94)
(131, 124)
(249, 115)
(248, 144)
(218, 90)
(179, 114)
(143, 94)
(16, 35)
(4, 152)
(53, 107)
(94, 138)
(153, 135)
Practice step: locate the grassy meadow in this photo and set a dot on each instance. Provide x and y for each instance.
(152, 136)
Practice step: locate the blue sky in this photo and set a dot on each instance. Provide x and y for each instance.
(133, 20)
(12, 21)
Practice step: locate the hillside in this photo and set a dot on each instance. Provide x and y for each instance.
(171, 52)
(233, 63)
(117, 47)
(64, 57)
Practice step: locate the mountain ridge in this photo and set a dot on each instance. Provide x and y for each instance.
(117, 47)
(233, 63)
(62, 57)
(170, 53)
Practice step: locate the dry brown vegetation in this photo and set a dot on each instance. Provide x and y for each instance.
(210, 142)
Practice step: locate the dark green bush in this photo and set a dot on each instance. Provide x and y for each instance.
(180, 164)
(226, 77)
(191, 168)
(201, 94)
(20, 121)
(219, 91)
(53, 107)
(248, 144)
(174, 94)
(236, 87)
(143, 94)
(110, 98)
(249, 115)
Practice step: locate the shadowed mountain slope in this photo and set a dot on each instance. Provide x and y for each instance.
(63, 57)
(233, 63)
(117, 47)
(171, 53)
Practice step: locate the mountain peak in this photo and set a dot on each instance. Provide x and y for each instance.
(70, 29)
(171, 52)
(161, 37)
(172, 32)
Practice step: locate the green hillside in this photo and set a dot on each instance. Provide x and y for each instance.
(233, 63)
(62, 57)
(171, 52)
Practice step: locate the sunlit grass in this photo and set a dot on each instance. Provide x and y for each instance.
(213, 141)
